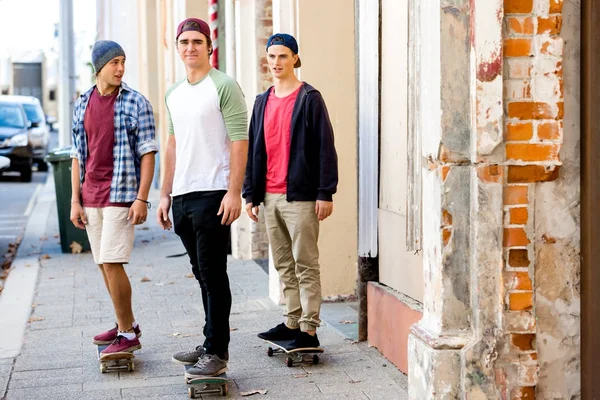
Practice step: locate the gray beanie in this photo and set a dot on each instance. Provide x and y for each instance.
(104, 51)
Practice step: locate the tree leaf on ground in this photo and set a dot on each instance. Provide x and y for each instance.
(189, 276)
(252, 392)
(145, 279)
(347, 322)
(45, 257)
(301, 376)
(35, 319)
(233, 329)
(76, 248)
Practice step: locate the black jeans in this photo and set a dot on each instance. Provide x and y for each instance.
(196, 222)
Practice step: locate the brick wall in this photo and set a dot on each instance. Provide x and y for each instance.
(534, 108)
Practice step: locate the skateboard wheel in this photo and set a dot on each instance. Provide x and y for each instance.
(290, 362)
(270, 352)
(191, 393)
(130, 367)
(315, 359)
(224, 390)
(103, 368)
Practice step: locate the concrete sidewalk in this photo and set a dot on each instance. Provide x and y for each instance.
(57, 359)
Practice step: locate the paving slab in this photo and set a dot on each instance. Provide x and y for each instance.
(56, 359)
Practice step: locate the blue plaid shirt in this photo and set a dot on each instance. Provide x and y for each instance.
(134, 137)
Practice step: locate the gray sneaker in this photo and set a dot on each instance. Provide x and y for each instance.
(189, 357)
(207, 365)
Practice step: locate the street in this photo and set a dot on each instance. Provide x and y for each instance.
(17, 202)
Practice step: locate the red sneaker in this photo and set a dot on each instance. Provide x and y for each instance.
(110, 335)
(122, 345)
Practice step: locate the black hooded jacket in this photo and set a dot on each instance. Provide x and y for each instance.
(313, 168)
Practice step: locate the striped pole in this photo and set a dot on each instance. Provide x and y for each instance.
(213, 10)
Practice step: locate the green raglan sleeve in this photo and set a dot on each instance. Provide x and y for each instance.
(169, 119)
(233, 106)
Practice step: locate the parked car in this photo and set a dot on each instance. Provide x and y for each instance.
(4, 163)
(14, 139)
(39, 132)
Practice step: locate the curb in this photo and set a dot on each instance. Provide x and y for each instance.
(19, 289)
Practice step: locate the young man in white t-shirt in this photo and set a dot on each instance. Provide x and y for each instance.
(204, 169)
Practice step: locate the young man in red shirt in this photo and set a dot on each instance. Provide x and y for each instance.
(113, 165)
(292, 169)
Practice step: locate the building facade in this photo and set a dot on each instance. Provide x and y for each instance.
(457, 220)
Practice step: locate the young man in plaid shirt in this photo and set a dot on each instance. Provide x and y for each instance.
(113, 165)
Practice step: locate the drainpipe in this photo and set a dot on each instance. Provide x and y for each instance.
(213, 18)
(590, 195)
(367, 24)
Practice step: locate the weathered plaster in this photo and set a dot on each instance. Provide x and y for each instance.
(433, 374)
(557, 241)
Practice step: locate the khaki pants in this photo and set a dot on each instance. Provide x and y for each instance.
(293, 230)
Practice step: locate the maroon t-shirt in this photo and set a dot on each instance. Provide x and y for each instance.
(99, 125)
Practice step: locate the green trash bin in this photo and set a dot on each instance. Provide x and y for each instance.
(61, 164)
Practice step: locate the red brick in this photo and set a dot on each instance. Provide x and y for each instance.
(445, 171)
(520, 301)
(528, 374)
(549, 131)
(534, 110)
(446, 218)
(532, 152)
(517, 281)
(521, 26)
(519, 132)
(518, 216)
(519, 68)
(517, 89)
(531, 173)
(517, 48)
(552, 46)
(555, 6)
(523, 341)
(446, 235)
(515, 195)
(515, 237)
(525, 392)
(518, 6)
(518, 258)
(550, 25)
(519, 321)
(490, 173)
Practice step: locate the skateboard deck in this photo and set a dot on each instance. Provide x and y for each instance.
(116, 361)
(206, 384)
(296, 356)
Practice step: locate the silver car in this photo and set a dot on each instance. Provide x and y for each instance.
(39, 130)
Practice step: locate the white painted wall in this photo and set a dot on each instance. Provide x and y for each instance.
(118, 21)
(399, 269)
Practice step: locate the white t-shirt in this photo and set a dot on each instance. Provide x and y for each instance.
(205, 118)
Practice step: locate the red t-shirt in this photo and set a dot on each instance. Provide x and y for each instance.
(278, 126)
(99, 125)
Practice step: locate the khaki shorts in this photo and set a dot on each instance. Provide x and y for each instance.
(111, 235)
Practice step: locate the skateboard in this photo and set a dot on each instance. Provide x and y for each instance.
(116, 361)
(296, 356)
(210, 384)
